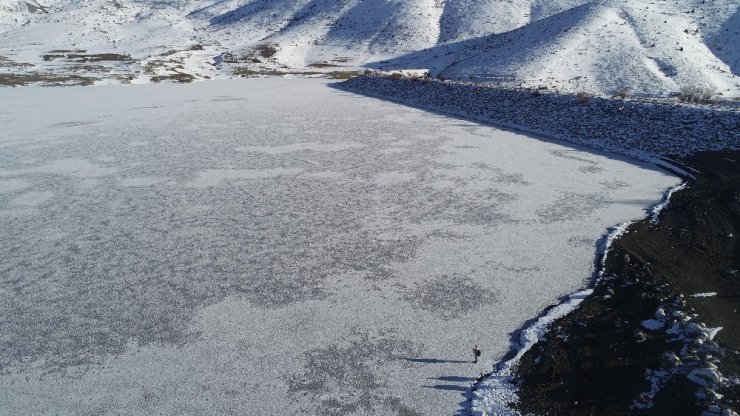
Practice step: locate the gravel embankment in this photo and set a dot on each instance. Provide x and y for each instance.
(642, 129)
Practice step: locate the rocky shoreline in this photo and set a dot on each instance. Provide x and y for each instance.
(651, 131)
(643, 342)
(659, 332)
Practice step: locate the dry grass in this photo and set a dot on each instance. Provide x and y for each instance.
(582, 98)
(343, 74)
(323, 65)
(68, 51)
(266, 50)
(697, 95)
(180, 77)
(249, 72)
(6, 62)
(82, 58)
(47, 80)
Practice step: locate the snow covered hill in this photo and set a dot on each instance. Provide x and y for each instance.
(602, 47)
(605, 47)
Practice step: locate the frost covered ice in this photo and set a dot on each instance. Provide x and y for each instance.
(495, 395)
(278, 246)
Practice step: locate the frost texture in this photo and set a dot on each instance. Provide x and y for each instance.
(222, 244)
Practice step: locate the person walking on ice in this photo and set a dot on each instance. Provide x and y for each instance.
(476, 353)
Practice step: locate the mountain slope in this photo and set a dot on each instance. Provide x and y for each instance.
(601, 47)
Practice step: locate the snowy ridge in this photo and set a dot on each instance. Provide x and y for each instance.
(605, 47)
(602, 47)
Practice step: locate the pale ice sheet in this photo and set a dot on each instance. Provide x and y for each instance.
(32, 198)
(348, 280)
(297, 147)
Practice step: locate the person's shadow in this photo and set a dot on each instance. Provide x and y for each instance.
(435, 361)
(466, 390)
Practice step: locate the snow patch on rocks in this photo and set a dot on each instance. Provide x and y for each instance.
(695, 358)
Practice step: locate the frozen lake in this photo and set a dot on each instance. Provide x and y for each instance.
(276, 246)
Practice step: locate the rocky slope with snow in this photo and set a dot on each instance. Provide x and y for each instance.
(602, 47)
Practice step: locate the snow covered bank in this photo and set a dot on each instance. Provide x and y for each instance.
(646, 131)
(657, 209)
(496, 393)
(637, 342)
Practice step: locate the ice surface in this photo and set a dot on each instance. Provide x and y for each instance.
(71, 167)
(11, 185)
(496, 393)
(164, 269)
(214, 177)
(297, 147)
